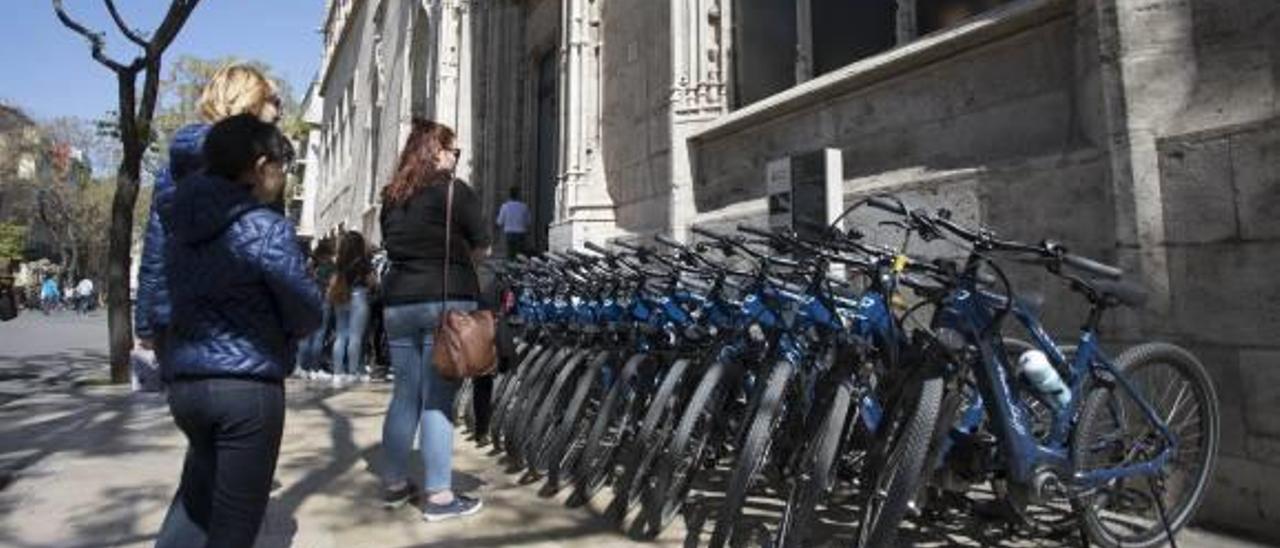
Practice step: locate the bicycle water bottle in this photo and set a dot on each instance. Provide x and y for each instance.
(1036, 369)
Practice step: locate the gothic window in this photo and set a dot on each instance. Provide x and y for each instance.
(780, 43)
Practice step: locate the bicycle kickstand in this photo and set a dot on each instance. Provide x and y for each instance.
(1156, 486)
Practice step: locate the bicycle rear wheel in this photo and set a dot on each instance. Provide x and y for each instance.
(1137, 511)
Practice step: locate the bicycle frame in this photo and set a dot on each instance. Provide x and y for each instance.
(972, 311)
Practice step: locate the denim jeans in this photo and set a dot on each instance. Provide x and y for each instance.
(350, 320)
(310, 346)
(233, 428)
(420, 399)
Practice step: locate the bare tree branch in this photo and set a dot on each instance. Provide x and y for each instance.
(96, 41)
(129, 33)
(150, 92)
(173, 21)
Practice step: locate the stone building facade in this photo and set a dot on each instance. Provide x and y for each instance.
(1144, 132)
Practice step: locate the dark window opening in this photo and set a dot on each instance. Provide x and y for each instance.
(936, 15)
(844, 31)
(764, 36)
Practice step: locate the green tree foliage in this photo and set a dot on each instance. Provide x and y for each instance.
(13, 238)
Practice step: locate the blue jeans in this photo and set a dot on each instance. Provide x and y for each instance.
(310, 346)
(233, 428)
(350, 319)
(421, 398)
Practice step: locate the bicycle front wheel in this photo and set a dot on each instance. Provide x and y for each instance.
(755, 451)
(897, 461)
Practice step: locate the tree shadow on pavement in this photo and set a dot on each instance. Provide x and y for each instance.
(53, 415)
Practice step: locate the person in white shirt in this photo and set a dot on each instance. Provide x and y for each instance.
(84, 295)
(513, 220)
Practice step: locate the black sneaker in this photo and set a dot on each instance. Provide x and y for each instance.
(395, 498)
(461, 506)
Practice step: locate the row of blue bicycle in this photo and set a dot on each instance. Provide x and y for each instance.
(856, 390)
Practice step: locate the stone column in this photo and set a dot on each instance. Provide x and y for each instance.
(584, 210)
(700, 35)
(906, 24)
(1134, 56)
(453, 75)
(804, 41)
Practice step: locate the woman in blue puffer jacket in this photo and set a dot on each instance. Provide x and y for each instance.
(233, 90)
(241, 300)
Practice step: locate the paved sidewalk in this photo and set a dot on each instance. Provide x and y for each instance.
(87, 465)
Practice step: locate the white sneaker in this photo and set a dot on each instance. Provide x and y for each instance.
(339, 380)
(364, 379)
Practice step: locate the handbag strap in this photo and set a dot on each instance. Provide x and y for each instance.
(448, 244)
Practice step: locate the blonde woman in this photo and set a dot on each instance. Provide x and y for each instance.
(233, 90)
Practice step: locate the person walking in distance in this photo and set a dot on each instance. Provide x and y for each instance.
(84, 296)
(415, 204)
(513, 220)
(241, 299)
(349, 298)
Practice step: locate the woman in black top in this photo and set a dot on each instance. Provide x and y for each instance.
(417, 288)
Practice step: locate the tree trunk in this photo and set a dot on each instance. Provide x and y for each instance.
(119, 262)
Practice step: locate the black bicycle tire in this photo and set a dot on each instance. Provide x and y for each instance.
(507, 397)
(820, 459)
(598, 458)
(560, 391)
(1128, 360)
(636, 472)
(915, 439)
(501, 395)
(755, 450)
(555, 447)
(529, 395)
(665, 501)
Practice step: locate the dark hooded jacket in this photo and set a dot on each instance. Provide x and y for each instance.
(238, 284)
(151, 310)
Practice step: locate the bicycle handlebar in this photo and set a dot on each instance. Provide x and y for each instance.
(1092, 266)
(590, 245)
(885, 204)
(668, 241)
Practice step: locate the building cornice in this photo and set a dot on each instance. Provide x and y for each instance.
(993, 26)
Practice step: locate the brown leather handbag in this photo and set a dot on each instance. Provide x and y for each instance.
(464, 341)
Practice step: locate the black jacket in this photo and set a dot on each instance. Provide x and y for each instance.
(414, 236)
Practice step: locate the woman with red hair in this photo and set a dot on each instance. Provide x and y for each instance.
(417, 289)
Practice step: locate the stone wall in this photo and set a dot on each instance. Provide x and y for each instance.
(991, 92)
(1142, 132)
(636, 136)
(1221, 194)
